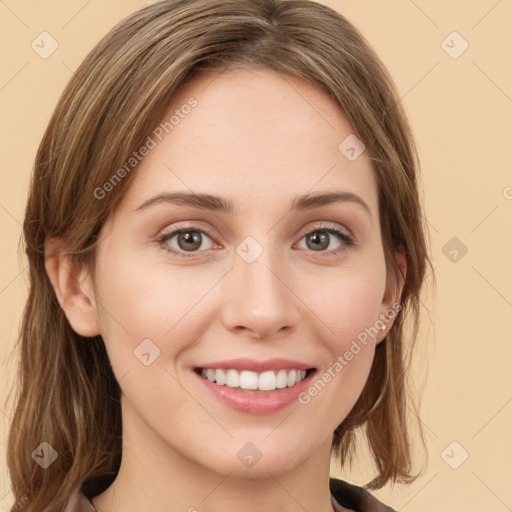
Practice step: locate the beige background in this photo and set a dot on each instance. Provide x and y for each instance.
(461, 111)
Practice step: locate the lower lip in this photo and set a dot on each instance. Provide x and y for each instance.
(261, 402)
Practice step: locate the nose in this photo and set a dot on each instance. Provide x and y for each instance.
(259, 299)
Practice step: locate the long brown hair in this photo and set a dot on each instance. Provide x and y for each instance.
(67, 394)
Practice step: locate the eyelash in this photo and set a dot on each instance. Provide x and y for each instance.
(162, 240)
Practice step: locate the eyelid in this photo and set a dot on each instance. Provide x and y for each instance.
(326, 226)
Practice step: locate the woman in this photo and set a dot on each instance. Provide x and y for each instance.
(225, 237)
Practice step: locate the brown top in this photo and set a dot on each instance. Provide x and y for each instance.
(343, 494)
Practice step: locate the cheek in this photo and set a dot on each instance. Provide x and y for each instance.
(142, 309)
(347, 301)
(348, 350)
(144, 326)
(348, 305)
(140, 290)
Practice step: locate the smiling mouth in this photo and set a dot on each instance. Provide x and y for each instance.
(246, 380)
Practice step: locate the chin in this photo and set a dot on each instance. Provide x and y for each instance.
(255, 459)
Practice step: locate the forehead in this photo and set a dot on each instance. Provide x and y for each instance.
(252, 132)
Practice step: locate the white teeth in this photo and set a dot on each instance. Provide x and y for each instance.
(265, 381)
(291, 378)
(282, 379)
(220, 377)
(232, 379)
(248, 380)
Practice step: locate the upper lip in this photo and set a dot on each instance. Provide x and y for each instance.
(257, 366)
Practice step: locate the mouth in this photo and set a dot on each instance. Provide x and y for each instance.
(255, 382)
(255, 387)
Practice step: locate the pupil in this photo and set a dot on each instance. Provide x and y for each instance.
(317, 239)
(189, 238)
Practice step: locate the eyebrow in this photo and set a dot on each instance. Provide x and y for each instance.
(220, 204)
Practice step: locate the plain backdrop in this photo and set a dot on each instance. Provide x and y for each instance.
(451, 63)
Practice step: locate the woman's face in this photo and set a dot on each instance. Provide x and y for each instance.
(266, 279)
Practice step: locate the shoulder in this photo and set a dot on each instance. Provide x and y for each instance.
(355, 498)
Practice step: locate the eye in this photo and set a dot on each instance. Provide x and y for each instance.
(187, 239)
(319, 239)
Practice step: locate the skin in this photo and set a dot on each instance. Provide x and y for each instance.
(260, 143)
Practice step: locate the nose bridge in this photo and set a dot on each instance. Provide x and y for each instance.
(257, 264)
(260, 299)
